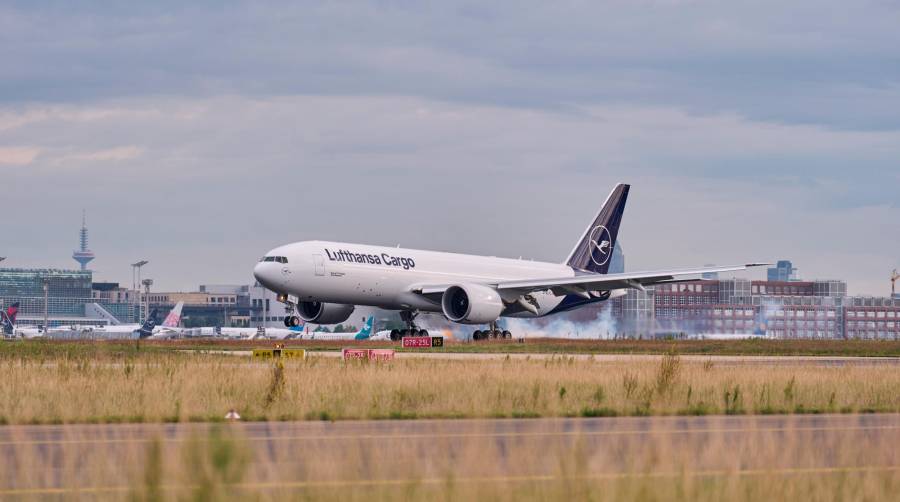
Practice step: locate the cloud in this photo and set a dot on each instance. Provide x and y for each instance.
(116, 154)
(18, 156)
(228, 177)
(803, 62)
(748, 128)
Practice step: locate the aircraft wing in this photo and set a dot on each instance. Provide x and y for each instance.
(604, 282)
(585, 283)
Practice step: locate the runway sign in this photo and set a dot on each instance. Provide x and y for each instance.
(368, 354)
(284, 353)
(360, 354)
(381, 354)
(422, 342)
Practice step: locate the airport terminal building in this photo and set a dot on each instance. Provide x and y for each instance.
(780, 309)
(70, 297)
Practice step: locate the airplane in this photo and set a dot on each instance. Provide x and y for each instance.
(364, 334)
(324, 281)
(122, 329)
(8, 321)
(169, 327)
(11, 329)
(254, 333)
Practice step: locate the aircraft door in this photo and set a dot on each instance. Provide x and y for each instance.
(319, 262)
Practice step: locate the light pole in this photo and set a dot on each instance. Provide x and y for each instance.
(136, 285)
(46, 303)
(147, 283)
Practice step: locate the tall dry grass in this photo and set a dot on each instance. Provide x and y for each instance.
(161, 387)
(746, 460)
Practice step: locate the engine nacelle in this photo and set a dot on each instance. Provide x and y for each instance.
(324, 313)
(471, 304)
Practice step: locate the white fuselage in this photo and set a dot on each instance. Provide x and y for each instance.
(386, 277)
(117, 329)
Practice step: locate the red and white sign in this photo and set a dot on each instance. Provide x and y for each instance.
(381, 354)
(360, 354)
(416, 342)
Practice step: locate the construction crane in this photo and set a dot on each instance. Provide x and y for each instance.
(894, 277)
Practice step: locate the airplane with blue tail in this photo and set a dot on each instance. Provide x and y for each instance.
(363, 334)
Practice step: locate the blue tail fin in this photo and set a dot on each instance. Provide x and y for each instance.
(594, 250)
(146, 329)
(366, 331)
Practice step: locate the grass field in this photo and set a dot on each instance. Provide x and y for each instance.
(51, 383)
(65, 383)
(756, 347)
(222, 464)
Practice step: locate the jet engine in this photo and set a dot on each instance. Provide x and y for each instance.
(324, 313)
(471, 304)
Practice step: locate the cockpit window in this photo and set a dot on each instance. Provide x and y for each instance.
(269, 258)
(278, 259)
(281, 259)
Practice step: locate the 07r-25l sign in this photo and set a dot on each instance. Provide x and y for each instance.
(422, 342)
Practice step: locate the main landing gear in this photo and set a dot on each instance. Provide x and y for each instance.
(492, 333)
(411, 329)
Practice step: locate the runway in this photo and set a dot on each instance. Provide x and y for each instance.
(744, 360)
(290, 456)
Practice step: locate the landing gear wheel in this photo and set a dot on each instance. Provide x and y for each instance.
(507, 335)
(408, 316)
(423, 332)
(395, 335)
(476, 335)
(294, 321)
(287, 321)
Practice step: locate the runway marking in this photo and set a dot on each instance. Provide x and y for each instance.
(471, 480)
(461, 435)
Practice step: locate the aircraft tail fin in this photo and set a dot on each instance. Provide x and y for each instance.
(174, 318)
(146, 329)
(366, 330)
(594, 249)
(8, 318)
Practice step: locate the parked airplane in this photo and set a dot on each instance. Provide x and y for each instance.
(122, 329)
(8, 320)
(254, 333)
(169, 327)
(323, 281)
(364, 334)
(11, 328)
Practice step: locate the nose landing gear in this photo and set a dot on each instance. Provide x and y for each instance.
(291, 321)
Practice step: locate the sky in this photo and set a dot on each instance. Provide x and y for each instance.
(198, 137)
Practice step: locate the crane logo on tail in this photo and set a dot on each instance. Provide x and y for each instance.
(601, 248)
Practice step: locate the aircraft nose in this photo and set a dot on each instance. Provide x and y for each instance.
(264, 273)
